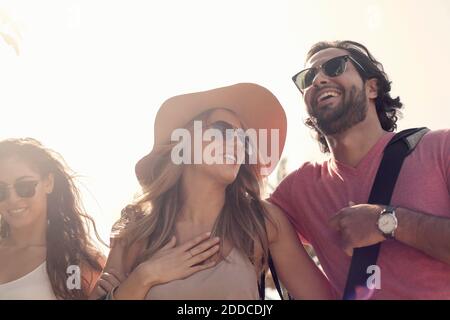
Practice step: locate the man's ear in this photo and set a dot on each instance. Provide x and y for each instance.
(48, 183)
(372, 88)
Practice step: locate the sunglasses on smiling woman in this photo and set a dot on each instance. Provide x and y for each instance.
(229, 132)
(331, 68)
(24, 189)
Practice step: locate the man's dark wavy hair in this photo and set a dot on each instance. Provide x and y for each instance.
(388, 108)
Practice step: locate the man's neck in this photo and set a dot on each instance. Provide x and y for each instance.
(351, 146)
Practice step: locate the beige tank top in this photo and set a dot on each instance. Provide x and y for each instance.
(32, 286)
(231, 279)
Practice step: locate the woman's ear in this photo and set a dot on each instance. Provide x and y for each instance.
(372, 88)
(48, 183)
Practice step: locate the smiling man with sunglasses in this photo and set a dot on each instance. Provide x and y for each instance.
(351, 111)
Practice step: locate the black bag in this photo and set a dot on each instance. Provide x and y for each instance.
(400, 146)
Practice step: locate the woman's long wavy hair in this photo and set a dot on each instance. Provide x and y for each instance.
(388, 108)
(242, 220)
(68, 242)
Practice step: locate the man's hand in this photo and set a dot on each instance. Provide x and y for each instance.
(357, 225)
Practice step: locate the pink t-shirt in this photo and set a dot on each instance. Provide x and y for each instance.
(311, 195)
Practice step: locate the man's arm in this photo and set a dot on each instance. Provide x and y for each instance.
(427, 233)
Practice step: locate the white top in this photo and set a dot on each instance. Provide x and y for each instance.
(32, 286)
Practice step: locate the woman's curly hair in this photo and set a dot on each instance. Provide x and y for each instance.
(68, 238)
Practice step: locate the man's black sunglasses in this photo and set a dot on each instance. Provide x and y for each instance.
(331, 68)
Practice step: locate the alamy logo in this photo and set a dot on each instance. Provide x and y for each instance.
(73, 281)
(374, 281)
(225, 146)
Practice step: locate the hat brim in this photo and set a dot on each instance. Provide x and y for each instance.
(254, 105)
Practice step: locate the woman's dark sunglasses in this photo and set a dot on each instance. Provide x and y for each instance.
(24, 189)
(331, 68)
(229, 132)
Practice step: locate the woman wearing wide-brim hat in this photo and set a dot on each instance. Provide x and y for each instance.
(200, 230)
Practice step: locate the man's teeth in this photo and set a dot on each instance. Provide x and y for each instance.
(327, 94)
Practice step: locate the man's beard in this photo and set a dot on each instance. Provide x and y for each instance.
(348, 113)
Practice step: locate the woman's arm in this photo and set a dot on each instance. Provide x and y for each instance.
(113, 272)
(296, 270)
(91, 274)
(168, 264)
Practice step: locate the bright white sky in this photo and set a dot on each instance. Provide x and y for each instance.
(91, 74)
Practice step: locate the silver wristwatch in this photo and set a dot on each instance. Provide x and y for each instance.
(387, 222)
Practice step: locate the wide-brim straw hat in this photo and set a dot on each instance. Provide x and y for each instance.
(255, 106)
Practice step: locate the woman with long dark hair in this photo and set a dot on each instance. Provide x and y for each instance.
(45, 248)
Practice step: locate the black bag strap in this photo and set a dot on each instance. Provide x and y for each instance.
(273, 271)
(400, 146)
(262, 286)
(262, 281)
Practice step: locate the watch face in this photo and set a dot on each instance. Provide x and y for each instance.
(387, 223)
